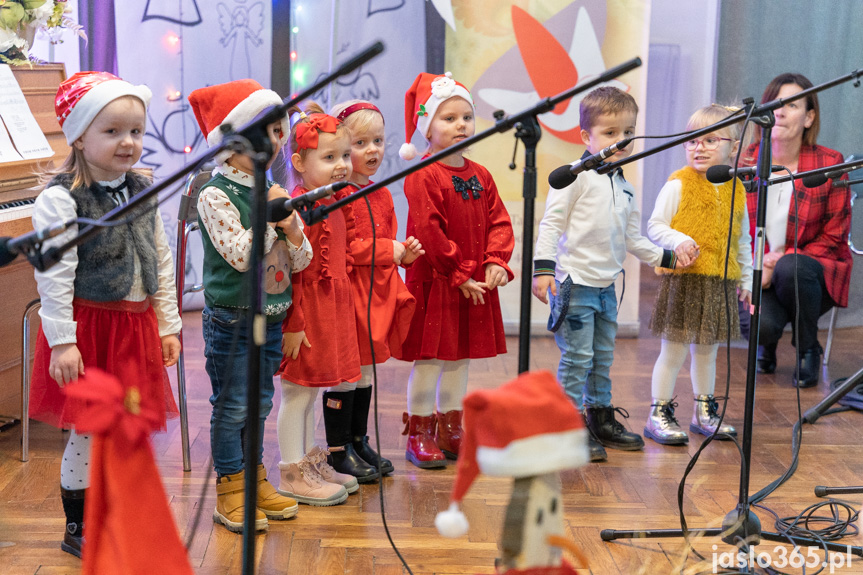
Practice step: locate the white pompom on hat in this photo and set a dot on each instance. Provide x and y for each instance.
(524, 428)
(422, 100)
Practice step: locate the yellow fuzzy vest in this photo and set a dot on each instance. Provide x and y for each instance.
(703, 216)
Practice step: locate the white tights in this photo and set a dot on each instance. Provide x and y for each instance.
(296, 421)
(702, 369)
(75, 467)
(446, 378)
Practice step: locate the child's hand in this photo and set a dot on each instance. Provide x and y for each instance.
(276, 192)
(495, 275)
(768, 265)
(398, 252)
(66, 363)
(170, 350)
(686, 254)
(541, 285)
(292, 341)
(745, 296)
(414, 250)
(290, 226)
(473, 290)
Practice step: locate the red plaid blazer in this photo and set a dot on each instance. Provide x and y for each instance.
(825, 218)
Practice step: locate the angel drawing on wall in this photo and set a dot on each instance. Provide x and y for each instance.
(240, 27)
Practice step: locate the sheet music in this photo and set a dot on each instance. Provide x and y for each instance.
(27, 137)
(8, 153)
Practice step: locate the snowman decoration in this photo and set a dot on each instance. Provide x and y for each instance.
(529, 430)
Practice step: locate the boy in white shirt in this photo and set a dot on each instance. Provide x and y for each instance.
(583, 238)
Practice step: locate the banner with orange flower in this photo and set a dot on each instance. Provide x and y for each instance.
(512, 54)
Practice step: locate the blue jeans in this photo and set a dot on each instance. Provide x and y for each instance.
(586, 342)
(226, 345)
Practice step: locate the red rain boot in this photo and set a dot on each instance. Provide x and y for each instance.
(421, 449)
(449, 433)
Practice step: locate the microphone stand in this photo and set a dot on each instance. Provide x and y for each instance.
(741, 527)
(252, 140)
(528, 130)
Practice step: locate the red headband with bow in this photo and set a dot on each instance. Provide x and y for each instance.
(307, 132)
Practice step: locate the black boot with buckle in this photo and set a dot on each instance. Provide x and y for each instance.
(608, 431)
(359, 430)
(73, 507)
(338, 411)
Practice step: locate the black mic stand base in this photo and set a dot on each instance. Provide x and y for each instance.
(813, 413)
(822, 491)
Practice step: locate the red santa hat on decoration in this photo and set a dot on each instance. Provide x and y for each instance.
(422, 100)
(524, 428)
(81, 97)
(236, 103)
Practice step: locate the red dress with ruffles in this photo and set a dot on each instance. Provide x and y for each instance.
(461, 231)
(119, 337)
(323, 305)
(392, 304)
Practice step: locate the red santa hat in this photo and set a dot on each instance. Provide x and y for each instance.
(422, 100)
(524, 428)
(236, 103)
(81, 97)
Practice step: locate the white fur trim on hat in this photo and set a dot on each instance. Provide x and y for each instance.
(535, 455)
(248, 110)
(443, 88)
(99, 96)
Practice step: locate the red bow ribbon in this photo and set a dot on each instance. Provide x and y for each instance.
(108, 407)
(307, 132)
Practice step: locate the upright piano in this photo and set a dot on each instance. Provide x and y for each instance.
(18, 189)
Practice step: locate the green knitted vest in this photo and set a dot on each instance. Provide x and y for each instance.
(224, 286)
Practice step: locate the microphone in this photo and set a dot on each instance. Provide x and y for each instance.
(815, 180)
(11, 247)
(279, 209)
(722, 174)
(565, 175)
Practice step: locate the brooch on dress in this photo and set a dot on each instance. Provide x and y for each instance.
(466, 188)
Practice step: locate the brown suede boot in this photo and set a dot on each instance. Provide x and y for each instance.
(230, 504)
(271, 502)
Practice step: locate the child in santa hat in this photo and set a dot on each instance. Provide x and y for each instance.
(320, 346)
(458, 216)
(224, 215)
(109, 303)
(392, 306)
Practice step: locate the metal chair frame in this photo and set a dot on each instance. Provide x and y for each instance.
(835, 309)
(34, 305)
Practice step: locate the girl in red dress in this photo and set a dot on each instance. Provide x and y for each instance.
(110, 303)
(392, 306)
(320, 339)
(457, 214)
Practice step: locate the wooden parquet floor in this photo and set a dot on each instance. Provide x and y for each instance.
(632, 490)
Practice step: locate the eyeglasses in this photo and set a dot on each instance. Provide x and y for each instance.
(709, 143)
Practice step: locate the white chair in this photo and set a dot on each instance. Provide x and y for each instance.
(187, 223)
(854, 250)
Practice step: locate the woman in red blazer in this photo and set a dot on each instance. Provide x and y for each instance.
(822, 225)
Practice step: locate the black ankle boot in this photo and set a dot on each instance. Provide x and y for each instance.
(810, 367)
(597, 451)
(359, 430)
(73, 507)
(610, 432)
(338, 411)
(766, 361)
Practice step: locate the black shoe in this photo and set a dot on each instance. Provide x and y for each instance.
(810, 367)
(610, 432)
(597, 451)
(345, 460)
(766, 361)
(72, 540)
(370, 456)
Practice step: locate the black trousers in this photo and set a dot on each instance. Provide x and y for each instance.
(778, 302)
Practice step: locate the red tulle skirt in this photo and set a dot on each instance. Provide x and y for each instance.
(121, 338)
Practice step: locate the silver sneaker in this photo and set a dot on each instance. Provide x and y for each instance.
(662, 427)
(705, 418)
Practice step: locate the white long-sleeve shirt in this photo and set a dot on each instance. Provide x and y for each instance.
(232, 240)
(659, 229)
(589, 226)
(56, 285)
